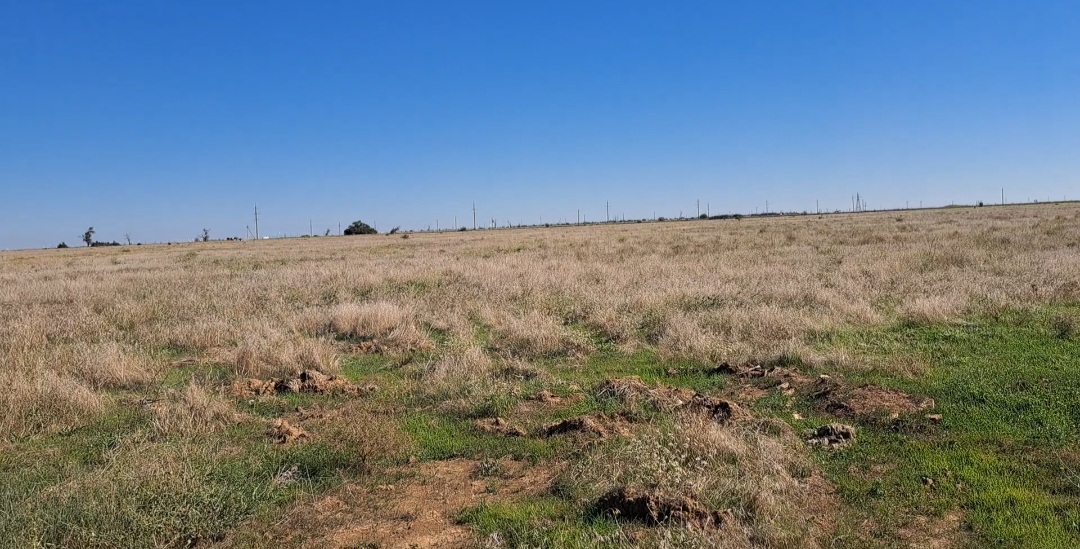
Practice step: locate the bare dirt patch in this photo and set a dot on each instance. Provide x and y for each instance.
(307, 381)
(601, 425)
(866, 402)
(642, 506)
(416, 508)
(631, 390)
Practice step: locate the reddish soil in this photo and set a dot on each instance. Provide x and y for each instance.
(415, 509)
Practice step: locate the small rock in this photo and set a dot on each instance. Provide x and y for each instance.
(934, 417)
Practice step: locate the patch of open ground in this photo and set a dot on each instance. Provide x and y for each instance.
(873, 380)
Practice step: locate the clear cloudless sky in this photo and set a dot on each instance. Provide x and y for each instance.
(160, 118)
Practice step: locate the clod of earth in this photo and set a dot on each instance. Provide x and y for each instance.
(594, 424)
(833, 435)
(638, 505)
(283, 432)
(499, 426)
(307, 381)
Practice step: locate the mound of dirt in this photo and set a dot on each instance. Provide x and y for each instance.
(833, 435)
(547, 397)
(641, 506)
(868, 401)
(632, 389)
(741, 370)
(593, 424)
(871, 400)
(719, 409)
(283, 432)
(759, 371)
(307, 381)
(499, 426)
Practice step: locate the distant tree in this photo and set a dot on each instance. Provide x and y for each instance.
(359, 227)
(327, 232)
(128, 238)
(206, 235)
(88, 236)
(395, 230)
(62, 245)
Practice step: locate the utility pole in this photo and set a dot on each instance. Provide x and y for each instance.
(607, 211)
(708, 210)
(817, 205)
(436, 224)
(579, 216)
(766, 206)
(1003, 196)
(256, 221)
(339, 228)
(309, 231)
(699, 207)
(474, 216)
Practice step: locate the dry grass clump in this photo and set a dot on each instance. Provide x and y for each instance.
(704, 290)
(143, 495)
(272, 353)
(192, 411)
(45, 401)
(750, 472)
(385, 322)
(460, 367)
(532, 334)
(111, 365)
(930, 309)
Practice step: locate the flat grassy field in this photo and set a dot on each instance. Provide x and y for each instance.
(893, 379)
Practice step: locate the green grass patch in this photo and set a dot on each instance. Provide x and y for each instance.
(116, 482)
(542, 522)
(442, 437)
(1008, 449)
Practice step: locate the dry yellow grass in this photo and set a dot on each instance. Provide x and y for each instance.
(77, 323)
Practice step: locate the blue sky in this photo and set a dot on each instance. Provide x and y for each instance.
(158, 119)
